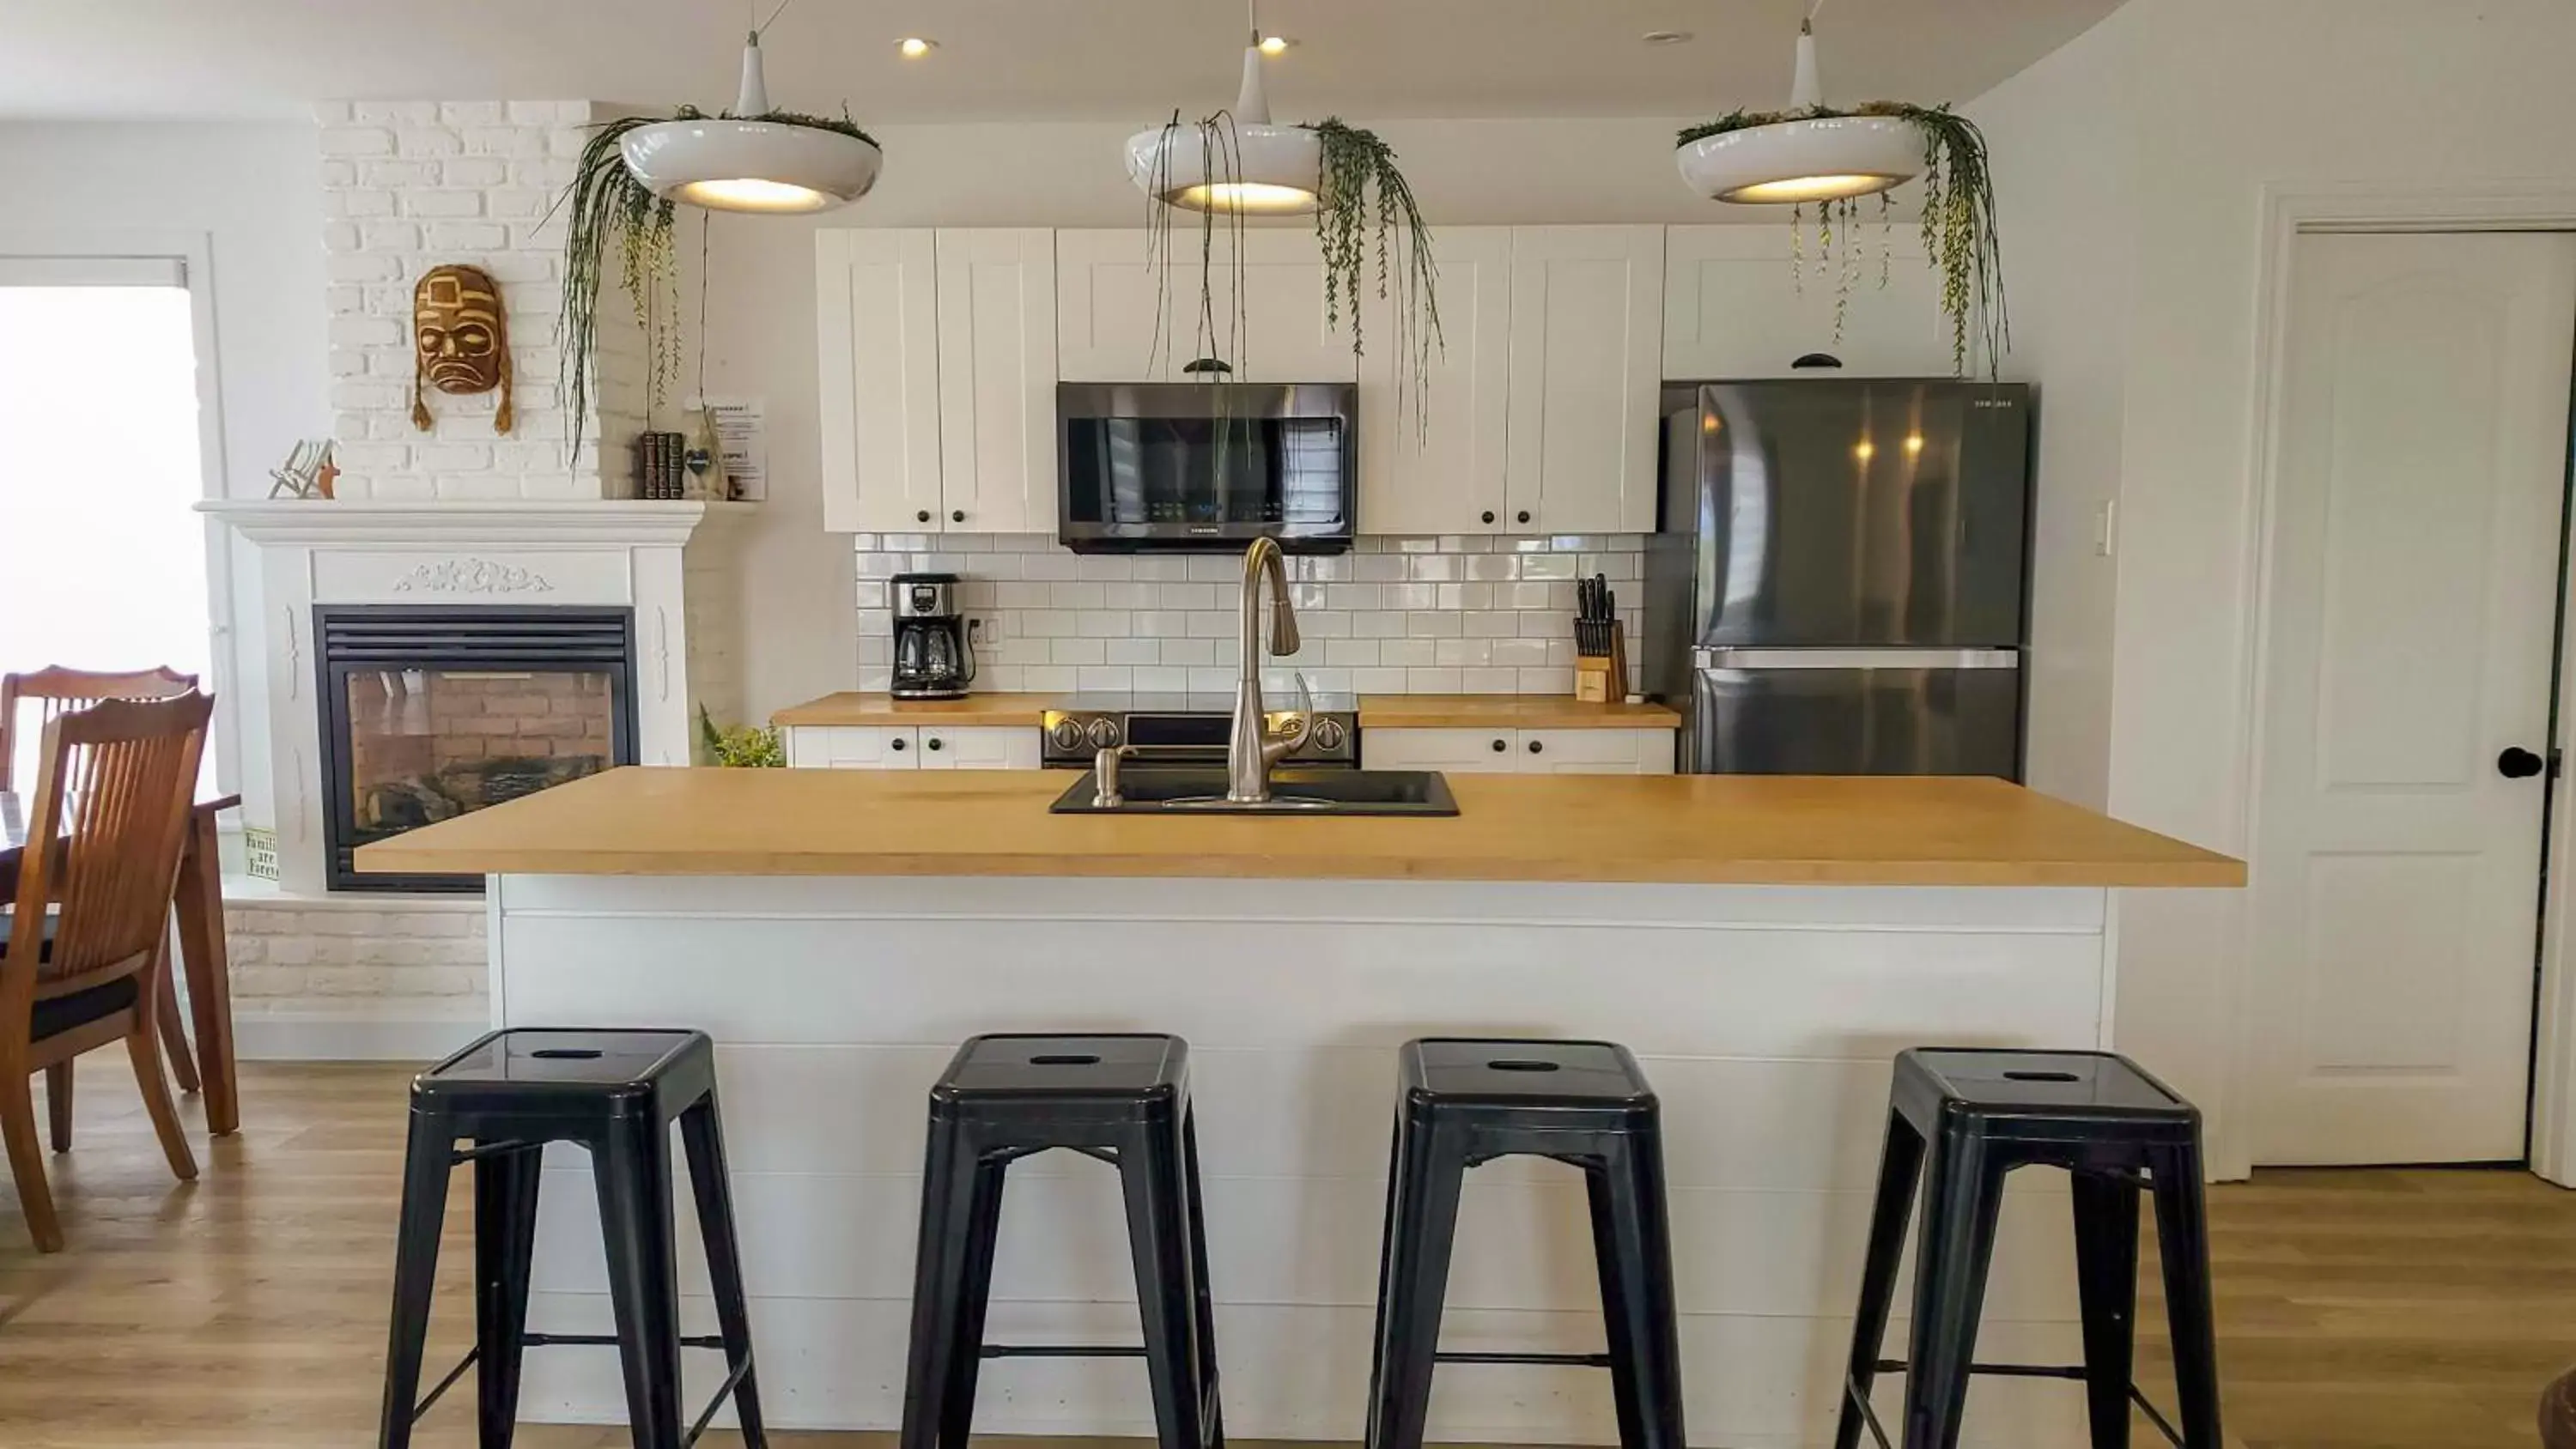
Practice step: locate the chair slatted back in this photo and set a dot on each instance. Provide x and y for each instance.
(114, 787)
(56, 690)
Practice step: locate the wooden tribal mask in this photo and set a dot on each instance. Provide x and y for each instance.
(460, 339)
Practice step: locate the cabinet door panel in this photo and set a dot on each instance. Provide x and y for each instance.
(1476, 752)
(1596, 752)
(997, 373)
(1587, 320)
(1115, 322)
(858, 747)
(1735, 309)
(1431, 460)
(1284, 336)
(877, 330)
(978, 748)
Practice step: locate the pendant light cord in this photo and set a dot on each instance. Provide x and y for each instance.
(762, 28)
(1806, 26)
(1252, 19)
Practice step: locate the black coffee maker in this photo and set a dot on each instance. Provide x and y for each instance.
(931, 657)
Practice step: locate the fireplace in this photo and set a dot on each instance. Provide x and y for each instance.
(428, 713)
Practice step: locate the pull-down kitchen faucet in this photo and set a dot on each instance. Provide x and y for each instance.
(1251, 749)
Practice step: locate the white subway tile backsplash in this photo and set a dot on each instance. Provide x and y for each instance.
(1397, 615)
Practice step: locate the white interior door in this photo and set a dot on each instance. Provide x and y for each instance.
(2414, 585)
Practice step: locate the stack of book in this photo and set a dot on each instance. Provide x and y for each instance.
(661, 466)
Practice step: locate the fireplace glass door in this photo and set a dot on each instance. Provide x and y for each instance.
(430, 714)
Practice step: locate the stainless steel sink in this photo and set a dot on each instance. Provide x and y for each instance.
(1152, 790)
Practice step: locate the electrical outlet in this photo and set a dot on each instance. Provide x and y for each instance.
(983, 630)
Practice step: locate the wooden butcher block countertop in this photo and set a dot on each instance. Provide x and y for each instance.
(1708, 829)
(1377, 711)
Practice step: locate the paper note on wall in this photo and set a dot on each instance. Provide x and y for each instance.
(741, 444)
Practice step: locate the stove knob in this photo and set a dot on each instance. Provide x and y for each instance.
(1329, 735)
(1067, 734)
(1104, 733)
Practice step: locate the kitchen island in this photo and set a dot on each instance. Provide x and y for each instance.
(1764, 945)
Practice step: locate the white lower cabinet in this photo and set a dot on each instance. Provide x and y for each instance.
(910, 747)
(977, 749)
(1520, 752)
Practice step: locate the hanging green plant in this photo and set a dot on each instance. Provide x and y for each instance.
(1362, 198)
(607, 206)
(1368, 227)
(1959, 234)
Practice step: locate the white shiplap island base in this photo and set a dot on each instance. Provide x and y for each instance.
(1764, 1014)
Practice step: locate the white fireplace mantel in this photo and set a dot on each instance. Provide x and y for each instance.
(668, 561)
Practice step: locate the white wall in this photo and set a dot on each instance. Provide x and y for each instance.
(799, 627)
(2062, 140)
(252, 191)
(2229, 96)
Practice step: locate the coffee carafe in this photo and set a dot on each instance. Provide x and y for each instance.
(932, 659)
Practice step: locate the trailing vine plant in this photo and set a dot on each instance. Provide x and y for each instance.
(1959, 234)
(605, 206)
(1367, 223)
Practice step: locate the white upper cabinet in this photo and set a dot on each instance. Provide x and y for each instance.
(1284, 337)
(1109, 304)
(876, 297)
(937, 369)
(1739, 304)
(1431, 460)
(997, 365)
(1124, 315)
(1586, 327)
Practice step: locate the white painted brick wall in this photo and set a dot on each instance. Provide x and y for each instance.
(409, 185)
(383, 962)
(1447, 615)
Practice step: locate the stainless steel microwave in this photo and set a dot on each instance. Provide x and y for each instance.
(1206, 465)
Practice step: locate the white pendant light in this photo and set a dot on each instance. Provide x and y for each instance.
(1826, 158)
(1253, 167)
(733, 164)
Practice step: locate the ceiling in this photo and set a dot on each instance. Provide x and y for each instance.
(998, 59)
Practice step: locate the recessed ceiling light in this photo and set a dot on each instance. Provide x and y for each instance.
(1666, 37)
(914, 47)
(1275, 44)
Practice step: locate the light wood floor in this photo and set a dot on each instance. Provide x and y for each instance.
(2358, 1310)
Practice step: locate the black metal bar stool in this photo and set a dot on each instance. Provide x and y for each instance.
(1121, 1098)
(1467, 1102)
(1978, 1115)
(615, 1093)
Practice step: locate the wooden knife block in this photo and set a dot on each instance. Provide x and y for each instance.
(1603, 678)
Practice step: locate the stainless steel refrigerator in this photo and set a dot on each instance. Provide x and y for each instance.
(1840, 583)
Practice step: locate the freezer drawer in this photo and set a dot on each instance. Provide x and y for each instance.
(1894, 712)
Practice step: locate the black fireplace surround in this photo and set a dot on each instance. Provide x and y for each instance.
(429, 712)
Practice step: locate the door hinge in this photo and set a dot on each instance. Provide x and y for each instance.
(2557, 761)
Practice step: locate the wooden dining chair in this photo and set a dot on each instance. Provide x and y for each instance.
(115, 784)
(53, 690)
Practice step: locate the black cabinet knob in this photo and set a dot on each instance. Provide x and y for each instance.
(1489, 515)
(957, 515)
(1499, 747)
(896, 745)
(931, 743)
(923, 515)
(2517, 763)
(1535, 747)
(1522, 516)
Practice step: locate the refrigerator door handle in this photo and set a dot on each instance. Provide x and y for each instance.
(1856, 658)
